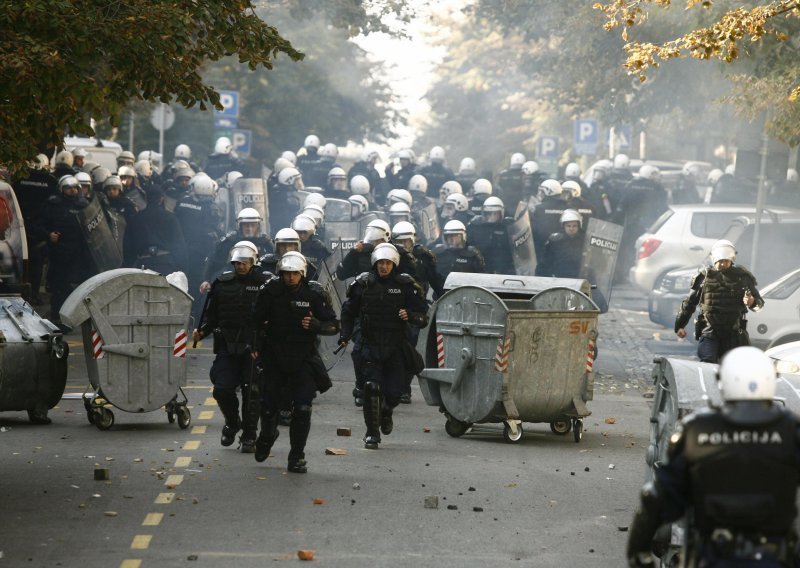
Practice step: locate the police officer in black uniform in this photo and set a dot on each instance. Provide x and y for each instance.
(385, 303)
(509, 181)
(366, 167)
(295, 311)
(228, 315)
(489, 232)
(153, 238)
(724, 292)
(456, 208)
(398, 178)
(481, 191)
(308, 162)
(454, 255)
(115, 201)
(249, 221)
(436, 172)
(467, 174)
(732, 474)
(223, 160)
(564, 249)
(286, 240)
(546, 216)
(313, 248)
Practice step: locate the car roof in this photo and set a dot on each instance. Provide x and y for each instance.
(729, 208)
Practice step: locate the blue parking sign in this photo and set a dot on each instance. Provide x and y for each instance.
(242, 141)
(586, 136)
(230, 101)
(547, 147)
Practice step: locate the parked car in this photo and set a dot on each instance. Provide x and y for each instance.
(683, 236)
(787, 359)
(778, 322)
(103, 152)
(778, 253)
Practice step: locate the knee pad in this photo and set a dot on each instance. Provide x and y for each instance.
(372, 388)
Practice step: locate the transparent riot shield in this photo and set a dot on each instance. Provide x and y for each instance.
(227, 216)
(426, 220)
(117, 224)
(13, 244)
(251, 192)
(520, 237)
(106, 252)
(337, 211)
(600, 250)
(329, 343)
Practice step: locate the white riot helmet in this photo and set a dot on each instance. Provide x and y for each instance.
(571, 215)
(111, 181)
(418, 183)
(311, 141)
(126, 157)
(622, 162)
(358, 206)
(530, 167)
(359, 185)
(690, 169)
(203, 186)
(329, 150)
(449, 187)
(791, 175)
(292, 261)
(516, 161)
(482, 186)
(126, 171)
(467, 166)
(84, 178)
(336, 173)
(746, 373)
(713, 176)
(455, 228)
(406, 154)
(281, 164)
(99, 175)
(230, 177)
(153, 157)
(223, 145)
(143, 168)
(493, 205)
(730, 169)
(248, 215)
(315, 212)
(399, 195)
(403, 231)
(42, 162)
(64, 158)
(287, 236)
(399, 212)
(79, 153)
(67, 182)
(572, 188)
(550, 188)
(304, 223)
(436, 155)
(648, 171)
(315, 199)
(723, 250)
(289, 176)
(458, 200)
(377, 230)
(572, 170)
(243, 251)
(385, 251)
(290, 156)
(183, 152)
(371, 156)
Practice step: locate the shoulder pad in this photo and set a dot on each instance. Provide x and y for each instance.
(260, 277)
(404, 278)
(317, 288)
(230, 235)
(54, 199)
(421, 250)
(227, 276)
(440, 248)
(365, 278)
(471, 251)
(269, 257)
(676, 441)
(555, 237)
(698, 279)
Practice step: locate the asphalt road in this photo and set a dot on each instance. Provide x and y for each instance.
(177, 498)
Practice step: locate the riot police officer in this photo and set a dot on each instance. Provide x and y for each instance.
(182, 152)
(63, 165)
(404, 237)
(732, 474)
(313, 249)
(572, 193)
(284, 202)
(546, 214)
(454, 255)
(385, 303)
(489, 232)
(359, 206)
(366, 167)
(115, 201)
(177, 188)
(153, 238)
(456, 208)
(509, 181)
(286, 240)
(228, 315)
(401, 177)
(436, 172)
(310, 160)
(223, 160)
(563, 250)
(295, 311)
(725, 292)
(249, 221)
(481, 190)
(336, 187)
(467, 174)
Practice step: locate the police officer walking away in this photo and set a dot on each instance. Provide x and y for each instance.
(295, 311)
(732, 473)
(724, 292)
(228, 315)
(489, 232)
(385, 303)
(153, 238)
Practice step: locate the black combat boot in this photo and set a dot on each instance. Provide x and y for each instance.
(298, 434)
(269, 433)
(386, 419)
(229, 406)
(247, 442)
(372, 415)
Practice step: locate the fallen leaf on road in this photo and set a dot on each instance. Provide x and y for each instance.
(261, 478)
(426, 429)
(610, 420)
(305, 554)
(318, 501)
(335, 452)
(110, 513)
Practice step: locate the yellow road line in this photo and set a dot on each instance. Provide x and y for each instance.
(206, 415)
(199, 429)
(141, 541)
(191, 445)
(173, 481)
(152, 519)
(183, 461)
(164, 498)
(210, 401)
(131, 563)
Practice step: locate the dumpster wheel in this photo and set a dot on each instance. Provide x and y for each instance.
(577, 429)
(456, 428)
(184, 416)
(509, 435)
(561, 427)
(103, 418)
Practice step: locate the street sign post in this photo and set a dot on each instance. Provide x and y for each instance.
(586, 136)
(547, 147)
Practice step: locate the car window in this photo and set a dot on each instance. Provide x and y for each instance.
(778, 250)
(660, 221)
(711, 225)
(782, 288)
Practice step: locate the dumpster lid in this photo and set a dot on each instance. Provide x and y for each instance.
(514, 285)
(105, 287)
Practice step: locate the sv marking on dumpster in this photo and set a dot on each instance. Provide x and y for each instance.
(577, 326)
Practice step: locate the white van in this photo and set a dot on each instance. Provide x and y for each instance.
(103, 152)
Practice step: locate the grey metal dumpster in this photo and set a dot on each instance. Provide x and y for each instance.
(134, 326)
(33, 360)
(511, 349)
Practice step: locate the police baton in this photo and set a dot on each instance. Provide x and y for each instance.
(202, 315)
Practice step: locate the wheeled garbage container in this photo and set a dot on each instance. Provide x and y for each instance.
(134, 325)
(511, 349)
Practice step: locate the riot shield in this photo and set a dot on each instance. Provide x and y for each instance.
(600, 249)
(117, 224)
(13, 243)
(337, 211)
(520, 237)
(329, 343)
(341, 236)
(105, 250)
(227, 216)
(137, 196)
(426, 220)
(251, 192)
